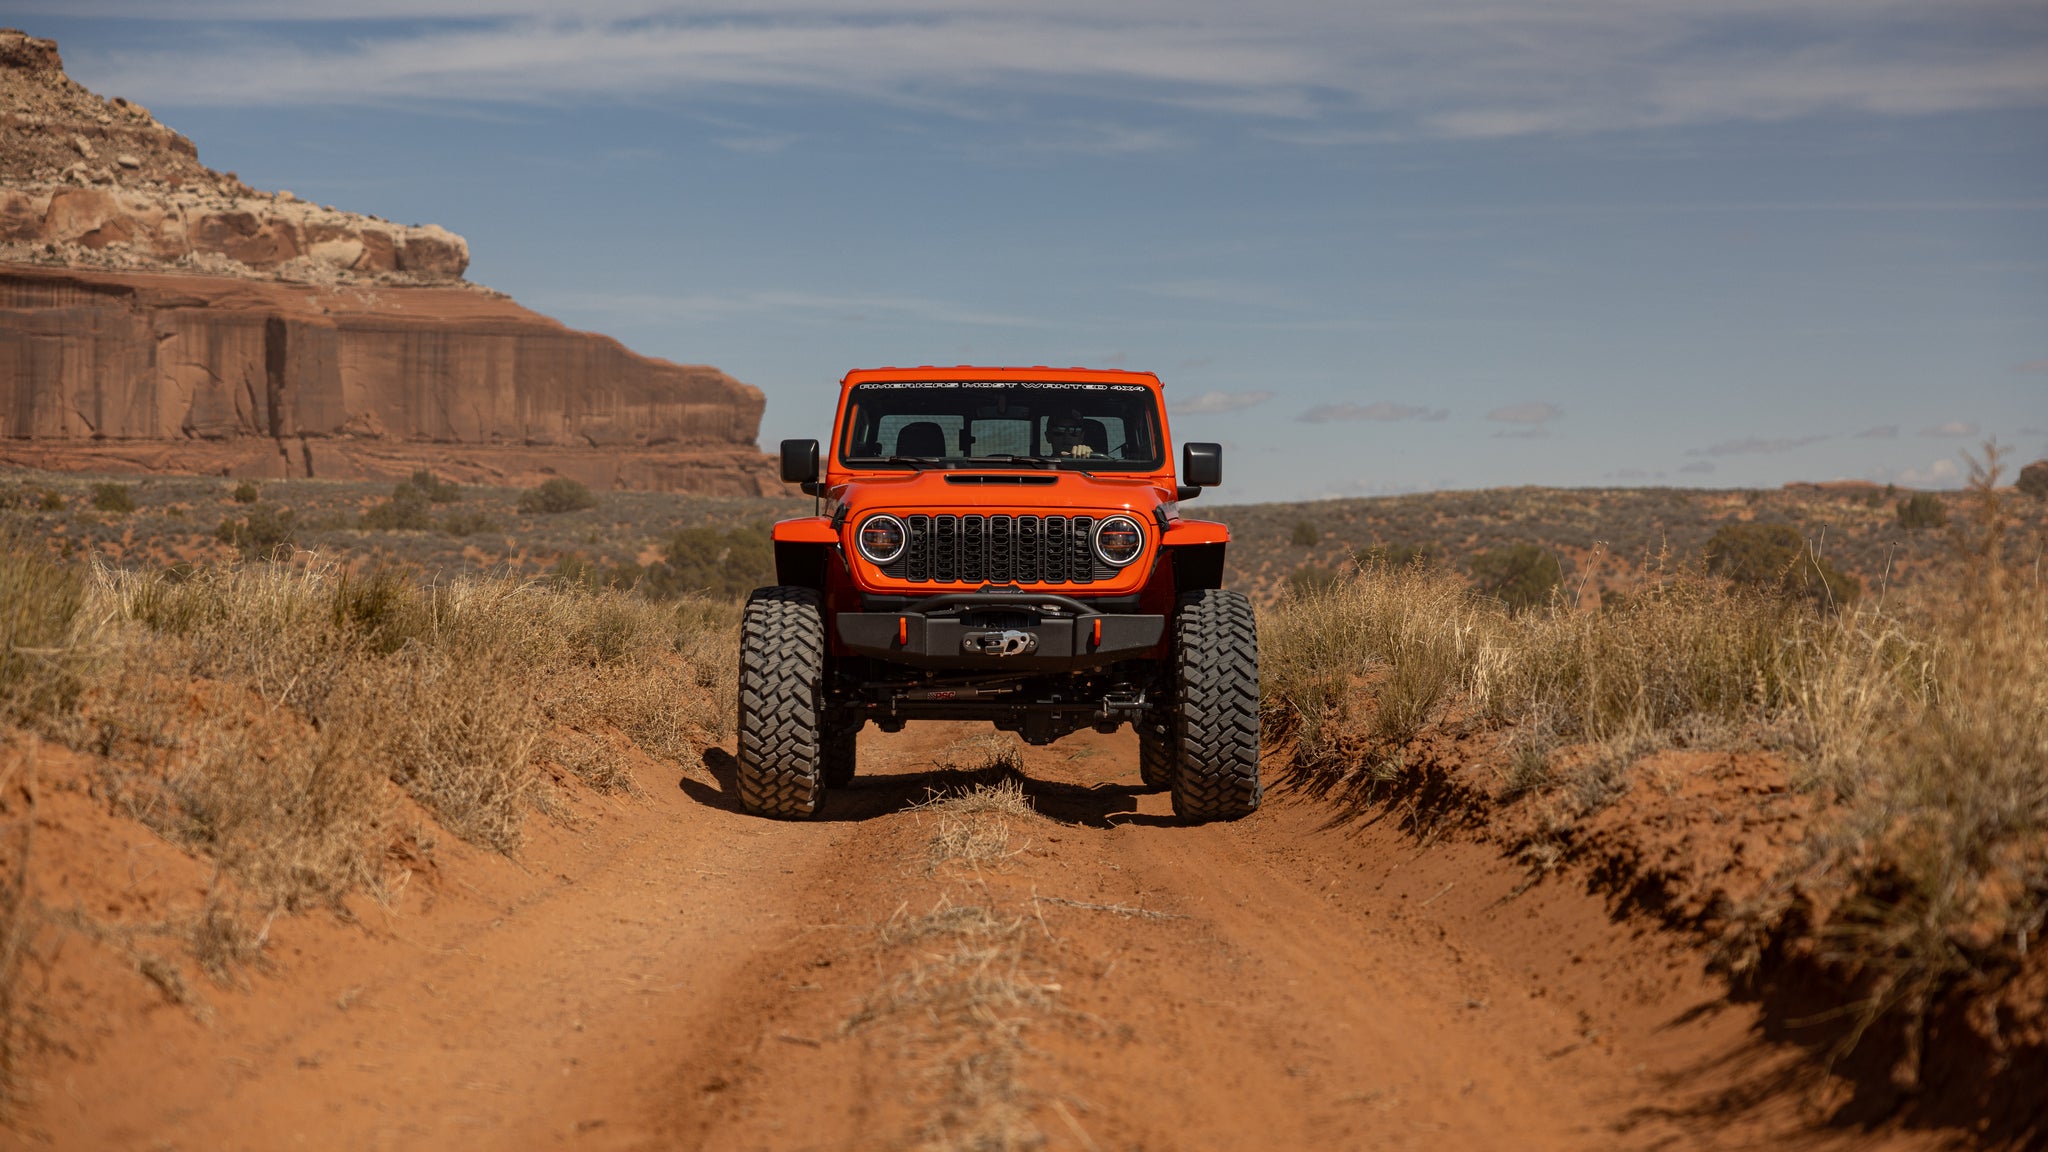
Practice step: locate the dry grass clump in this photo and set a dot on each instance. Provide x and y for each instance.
(260, 716)
(966, 996)
(1922, 732)
(1685, 652)
(40, 655)
(974, 824)
(450, 689)
(1935, 859)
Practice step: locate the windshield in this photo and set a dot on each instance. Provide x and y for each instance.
(995, 424)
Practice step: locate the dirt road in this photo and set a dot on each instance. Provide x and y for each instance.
(675, 974)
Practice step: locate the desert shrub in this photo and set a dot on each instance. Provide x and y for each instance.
(112, 497)
(30, 498)
(261, 534)
(448, 688)
(1522, 576)
(1921, 510)
(1681, 654)
(457, 732)
(435, 489)
(706, 562)
(1315, 652)
(559, 494)
(405, 511)
(472, 522)
(1305, 535)
(1938, 854)
(1310, 580)
(246, 492)
(1921, 737)
(2033, 480)
(1403, 555)
(1776, 559)
(290, 813)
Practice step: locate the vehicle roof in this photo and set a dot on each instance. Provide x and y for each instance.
(986, 372)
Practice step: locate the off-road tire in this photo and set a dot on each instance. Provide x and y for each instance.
(1156, 752)
(1216, 707)
(839, 754)
(782, 674)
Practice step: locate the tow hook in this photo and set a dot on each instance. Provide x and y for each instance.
(1008, 642)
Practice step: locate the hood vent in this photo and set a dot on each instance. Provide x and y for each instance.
(1000, 478)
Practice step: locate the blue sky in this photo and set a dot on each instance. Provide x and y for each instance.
(1376, 247)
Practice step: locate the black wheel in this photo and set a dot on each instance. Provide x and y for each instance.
(1155, 752)
(1216, 707)
(782, 673)
(839, 756)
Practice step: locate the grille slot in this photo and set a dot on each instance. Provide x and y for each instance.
(999, 550)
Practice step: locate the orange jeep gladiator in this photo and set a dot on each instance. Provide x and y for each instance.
(1000, 544)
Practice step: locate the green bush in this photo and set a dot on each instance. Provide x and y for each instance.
(712, 563)
(560, 494)
(1522, 576)
(260, 534)
(247, 492)
(473, 522)
(435, 489)
(1305, 535)
(1922, 510)
(111, 497)
(1775, 559)
(406, 511)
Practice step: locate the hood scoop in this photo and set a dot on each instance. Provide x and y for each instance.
(1000, 478)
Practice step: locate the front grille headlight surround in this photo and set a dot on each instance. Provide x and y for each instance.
(1119, 540)
(881, 538)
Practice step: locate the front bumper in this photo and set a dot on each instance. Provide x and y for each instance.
(993, 632)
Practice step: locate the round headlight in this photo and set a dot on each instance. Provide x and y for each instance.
(881, 538)
(1119, 540)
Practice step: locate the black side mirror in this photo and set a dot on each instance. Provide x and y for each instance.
(799, 461)
(1201, 465)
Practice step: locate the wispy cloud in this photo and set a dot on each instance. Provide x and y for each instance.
(1380, 410)
(2032, 366)
(1756, 446)
(1879, 432)
(1698, 468)
(1210, 403)
(1952, 430)
(1939, 474)
(1339, 74)
(1534, 412)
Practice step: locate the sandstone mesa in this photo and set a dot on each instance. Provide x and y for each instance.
(158, 316)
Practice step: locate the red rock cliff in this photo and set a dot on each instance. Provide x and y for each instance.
(158, 316)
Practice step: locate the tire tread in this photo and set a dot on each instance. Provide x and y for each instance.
(1216, 707)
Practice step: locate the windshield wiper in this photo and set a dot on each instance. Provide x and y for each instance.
(919, 463)
(1013, 458)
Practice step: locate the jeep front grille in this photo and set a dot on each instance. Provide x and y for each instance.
(998, 550)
